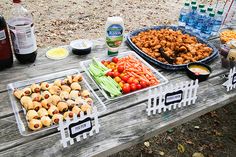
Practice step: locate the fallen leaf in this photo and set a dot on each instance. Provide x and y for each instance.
(170, 130)
(147, 144)
(181, 148)
(161, 153)
(196, 127)
(189, 142)
(169, 138)
(197, 154)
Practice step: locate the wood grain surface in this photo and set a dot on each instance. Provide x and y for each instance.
(123, 124)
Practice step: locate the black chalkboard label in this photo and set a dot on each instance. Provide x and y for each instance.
(174, 97)
(80, 127)
(234, 79)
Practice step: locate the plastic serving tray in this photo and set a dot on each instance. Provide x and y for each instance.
(163, 80)
(20, 112)
(163, 65)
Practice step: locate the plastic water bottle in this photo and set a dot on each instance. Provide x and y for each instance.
(206, 30)
(184, 14)
(191, 18)
(217, 22)
(200, 22)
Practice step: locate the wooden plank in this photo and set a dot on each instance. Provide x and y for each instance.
(119, 132)
(5, 107)
(43, 66)
(118, 106)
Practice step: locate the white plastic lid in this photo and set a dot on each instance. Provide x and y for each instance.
(81, 44)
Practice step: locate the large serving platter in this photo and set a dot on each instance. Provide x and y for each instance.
(163, 65)
(163, 80)
(20, 112)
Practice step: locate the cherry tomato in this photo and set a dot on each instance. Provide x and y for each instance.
(110, 73)
(138, 86)
(117, 79)
(103, 61)
(121, 84)
(113, 64)
(122, 81)
(143, 84)
(108, 62)
(116, 74)
(133, 87)
(115, 59)
(126, 88)
(135, 81)
(130, 80)
(125, 78)
(122, 75)
(109, 66)
(120, 68)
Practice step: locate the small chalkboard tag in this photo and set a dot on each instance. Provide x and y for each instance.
(231, 82)
(174, 97)
(80, 127)
(234, 79)
(171, 96)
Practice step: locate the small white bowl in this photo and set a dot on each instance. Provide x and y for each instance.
(81, 46)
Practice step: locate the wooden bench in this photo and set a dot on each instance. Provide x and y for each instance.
(125, 121)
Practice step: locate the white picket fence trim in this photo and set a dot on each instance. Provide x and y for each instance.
(229, 85)
(63, 127)
(158, 94)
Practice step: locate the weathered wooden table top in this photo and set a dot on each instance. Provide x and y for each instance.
(124, 123)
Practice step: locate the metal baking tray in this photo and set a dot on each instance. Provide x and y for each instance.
(20, 112)
(158, 75)
(169, 66)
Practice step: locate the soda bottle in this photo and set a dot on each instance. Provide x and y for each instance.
(184, 14)
(191, 19)
(6, 57)
(217, 22)
(200, 21)
(22, 33)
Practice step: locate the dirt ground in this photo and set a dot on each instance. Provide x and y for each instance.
(58, 22)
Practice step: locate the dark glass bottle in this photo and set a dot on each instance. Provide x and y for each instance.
(6, 57)
(22, 32)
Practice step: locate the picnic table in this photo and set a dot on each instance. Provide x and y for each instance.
(123, 124)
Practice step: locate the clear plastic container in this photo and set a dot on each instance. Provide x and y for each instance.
(159, 76)
(20, 112)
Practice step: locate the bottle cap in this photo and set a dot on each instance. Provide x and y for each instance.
(212, 14)
(16, 1)
(202, 10)
(194, 7)
(220, 12)
(186, 4)
(193, 3)
(201, 6)
(209, 9)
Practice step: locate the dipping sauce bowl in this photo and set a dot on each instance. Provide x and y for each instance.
(198, 71)
(81, 47)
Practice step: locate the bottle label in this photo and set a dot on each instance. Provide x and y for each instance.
(114, 35)
(2, 35)
(23, 38)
